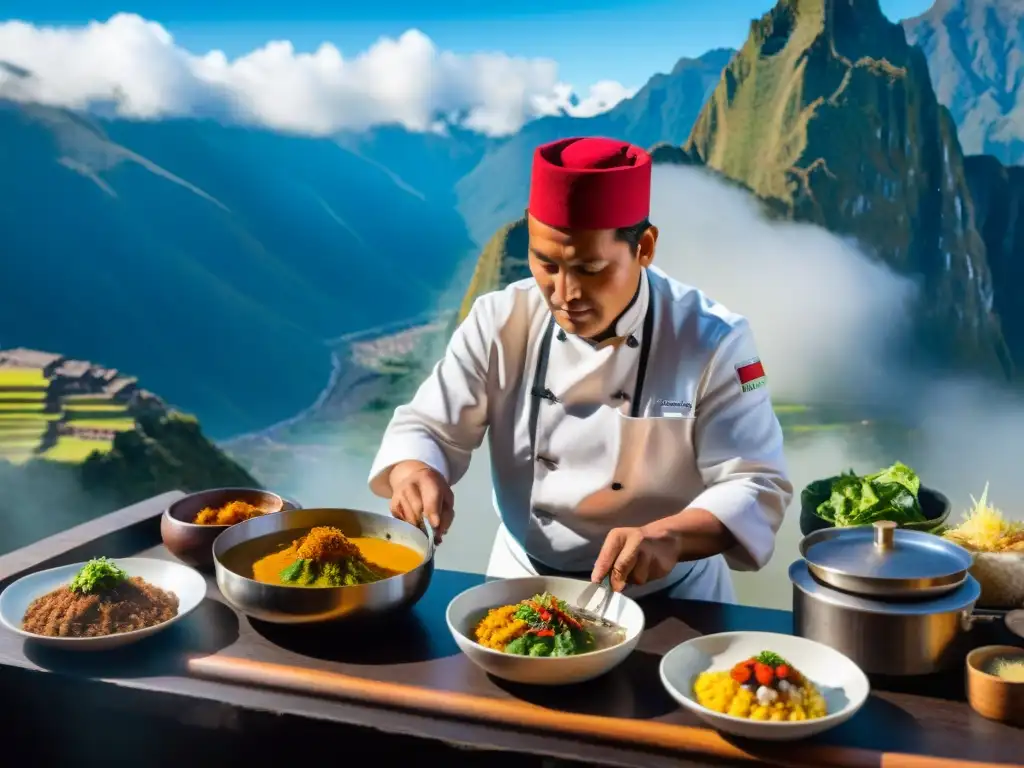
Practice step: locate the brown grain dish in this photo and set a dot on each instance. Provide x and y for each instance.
(130, 605)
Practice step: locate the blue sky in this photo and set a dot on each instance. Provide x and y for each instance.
(591, 40)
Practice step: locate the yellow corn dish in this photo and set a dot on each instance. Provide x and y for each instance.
(719, 692)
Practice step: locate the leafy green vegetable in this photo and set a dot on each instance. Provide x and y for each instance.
(890, 494)
(554, 629)
(332, 573)
(97, 576)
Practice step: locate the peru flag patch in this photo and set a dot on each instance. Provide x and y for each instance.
(751, 374)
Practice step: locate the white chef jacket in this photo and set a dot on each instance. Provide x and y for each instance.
(698, 438)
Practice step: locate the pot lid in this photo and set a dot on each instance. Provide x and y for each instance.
(884, 551)
(961, 598)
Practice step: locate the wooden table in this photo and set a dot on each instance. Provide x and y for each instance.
(148, 696)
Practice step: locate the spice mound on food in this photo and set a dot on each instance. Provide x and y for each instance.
(324, 557)
(850, 499)
(763, 687)
(232, 513)
(102, 599)
(542, 626)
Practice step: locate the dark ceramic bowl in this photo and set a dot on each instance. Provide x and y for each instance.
(193, 544)
(934, 505)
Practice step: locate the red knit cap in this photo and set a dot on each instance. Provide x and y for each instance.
(590, 183)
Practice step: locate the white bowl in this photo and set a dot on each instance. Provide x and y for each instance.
(842, 683)
(467, 609)
(188, 584)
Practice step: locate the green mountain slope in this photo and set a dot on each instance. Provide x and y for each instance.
(210, 261)
(974, 57)
(828, 113)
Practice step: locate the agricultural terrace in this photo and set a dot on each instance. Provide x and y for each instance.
(60, 410)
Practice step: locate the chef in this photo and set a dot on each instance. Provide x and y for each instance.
(628, 416)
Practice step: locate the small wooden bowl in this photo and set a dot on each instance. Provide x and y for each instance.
(991, 696)
(193, 544)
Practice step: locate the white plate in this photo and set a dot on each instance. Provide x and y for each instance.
(465, 611)
(188, 584)
(842, 683)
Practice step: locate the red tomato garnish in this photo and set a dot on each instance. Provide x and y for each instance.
(782, 671)
(765, 675)
(741, 673)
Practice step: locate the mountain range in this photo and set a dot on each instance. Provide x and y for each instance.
(975, 51)
(896, 181)
(213, 261)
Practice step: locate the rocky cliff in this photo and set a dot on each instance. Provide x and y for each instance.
(830, 114)
(998, 194)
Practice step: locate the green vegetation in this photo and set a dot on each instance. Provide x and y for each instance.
(835, 121)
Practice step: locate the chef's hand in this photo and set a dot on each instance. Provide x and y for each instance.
(636, 556)
(418, 491)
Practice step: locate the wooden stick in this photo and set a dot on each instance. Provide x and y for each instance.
(520, 714)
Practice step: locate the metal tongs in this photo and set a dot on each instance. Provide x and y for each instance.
(597, 617)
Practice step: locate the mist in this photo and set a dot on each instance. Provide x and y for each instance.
(829, 322)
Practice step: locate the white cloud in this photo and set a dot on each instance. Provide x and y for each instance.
(135, 67)
(826, 316)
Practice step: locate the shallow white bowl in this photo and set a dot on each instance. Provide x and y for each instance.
(842, 683)
(188, 584)
(465, 611)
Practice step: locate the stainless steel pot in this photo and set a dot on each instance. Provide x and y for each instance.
(886, 638)
(305, 605)
(885, 561)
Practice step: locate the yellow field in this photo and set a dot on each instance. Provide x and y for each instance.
(75, 450)
(16, 398)
(22, 377)
(121, 425)
(19, 414)
(96, 407)
(25, 407)
(10, 430)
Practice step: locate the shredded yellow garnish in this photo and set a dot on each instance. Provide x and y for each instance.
(984, 529)
(500, 627)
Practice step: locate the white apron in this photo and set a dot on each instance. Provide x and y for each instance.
(617, 435)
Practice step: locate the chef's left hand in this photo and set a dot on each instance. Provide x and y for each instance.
(636, 556)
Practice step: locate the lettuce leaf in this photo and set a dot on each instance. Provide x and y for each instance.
(889, 494)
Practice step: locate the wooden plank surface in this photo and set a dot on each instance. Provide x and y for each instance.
(923, 717)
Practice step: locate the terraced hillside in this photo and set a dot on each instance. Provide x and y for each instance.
(78, 440)
(61, 410)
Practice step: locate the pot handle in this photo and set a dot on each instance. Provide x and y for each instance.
(968, 619)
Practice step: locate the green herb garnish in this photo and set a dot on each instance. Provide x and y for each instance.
(97, 575)
(770, 658)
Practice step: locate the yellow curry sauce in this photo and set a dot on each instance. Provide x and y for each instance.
(385, 557)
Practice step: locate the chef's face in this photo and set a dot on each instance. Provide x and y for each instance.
(588, 276)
